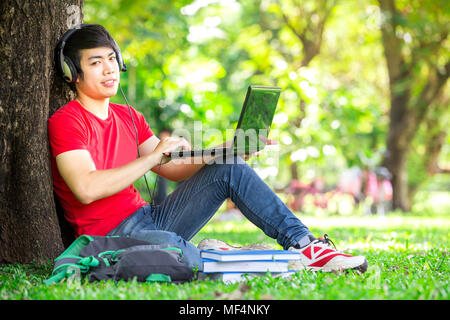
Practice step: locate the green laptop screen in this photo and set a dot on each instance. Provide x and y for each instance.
(254, 124)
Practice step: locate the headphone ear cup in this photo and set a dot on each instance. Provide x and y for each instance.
(70, 73)
(122, 65)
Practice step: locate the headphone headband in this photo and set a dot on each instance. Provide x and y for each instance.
(64, 65)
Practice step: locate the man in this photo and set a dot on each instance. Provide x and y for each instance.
(94, 165)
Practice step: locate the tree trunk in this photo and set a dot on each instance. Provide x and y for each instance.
(396, 163)
(30, 93)
(402, 127)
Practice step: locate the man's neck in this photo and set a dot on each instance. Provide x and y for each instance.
(99, 108)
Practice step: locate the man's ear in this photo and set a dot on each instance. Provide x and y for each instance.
(79, 76)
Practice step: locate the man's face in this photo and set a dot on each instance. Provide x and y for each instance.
(100, 73)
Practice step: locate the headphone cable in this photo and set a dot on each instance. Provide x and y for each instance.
(151, 195)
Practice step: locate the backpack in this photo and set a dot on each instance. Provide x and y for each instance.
(120, 258)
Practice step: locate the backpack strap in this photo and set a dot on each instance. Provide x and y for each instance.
(66, 270)
(69, 262)
(176, 249)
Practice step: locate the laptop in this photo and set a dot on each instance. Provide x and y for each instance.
(253, 127)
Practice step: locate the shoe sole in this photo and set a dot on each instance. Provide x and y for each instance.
(360, 268)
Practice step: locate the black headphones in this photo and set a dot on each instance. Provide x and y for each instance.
(66, 67)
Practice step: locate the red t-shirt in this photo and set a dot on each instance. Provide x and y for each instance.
(111, 143)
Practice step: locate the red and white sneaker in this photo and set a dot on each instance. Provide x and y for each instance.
(321, 255)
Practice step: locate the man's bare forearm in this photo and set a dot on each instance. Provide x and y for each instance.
(181, 169)
(100, 184)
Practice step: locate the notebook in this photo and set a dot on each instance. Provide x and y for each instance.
(249, 255)
(253, 127)
(213, 266)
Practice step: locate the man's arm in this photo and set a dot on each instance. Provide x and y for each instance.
(89, 184)
(180, 169)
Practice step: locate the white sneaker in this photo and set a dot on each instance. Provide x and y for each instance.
(319, 255)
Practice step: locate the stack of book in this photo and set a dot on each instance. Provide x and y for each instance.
(237, 265)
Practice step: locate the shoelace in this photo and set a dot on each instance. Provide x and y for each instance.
(327, 241)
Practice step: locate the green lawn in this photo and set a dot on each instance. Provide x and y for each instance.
(407, 256)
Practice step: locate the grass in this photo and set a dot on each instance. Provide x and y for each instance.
(407, 256)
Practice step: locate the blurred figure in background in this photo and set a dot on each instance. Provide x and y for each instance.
(350, 181)
(378, 189)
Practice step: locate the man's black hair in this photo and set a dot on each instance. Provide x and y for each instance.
(88, 37)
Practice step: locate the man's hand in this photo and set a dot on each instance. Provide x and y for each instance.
(266, 141)
(169, 144)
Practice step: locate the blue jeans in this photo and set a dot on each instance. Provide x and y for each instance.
(193, 203)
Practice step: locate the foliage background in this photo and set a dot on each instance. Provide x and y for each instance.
(192, 61)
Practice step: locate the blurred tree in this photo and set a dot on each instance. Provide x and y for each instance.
(416, 46)
(191, 61)
(306, 21)
(327, 62)
(427, 157)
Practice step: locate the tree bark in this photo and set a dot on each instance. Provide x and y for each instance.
(402, 127)
(30, 93)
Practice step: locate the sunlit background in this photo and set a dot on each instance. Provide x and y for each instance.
(192, 61)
